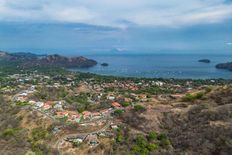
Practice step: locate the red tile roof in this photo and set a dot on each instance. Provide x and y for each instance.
(116, 104)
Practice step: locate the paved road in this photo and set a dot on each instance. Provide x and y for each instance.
(57, 145)
(60, 141)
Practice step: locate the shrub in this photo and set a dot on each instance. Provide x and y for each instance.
(139, 108)
(39, 134)
(162, 136)
(164, 140)
(141, 146)
(118, 112)
(125, 104)
(77, 144)
(208, 89)
(21, 104)
(119, 138)
(199, 95)
(192, 97)
(140, 150)
(141, 141)
(152, 136)
(9, 132)
(229, 143)
(152, 147)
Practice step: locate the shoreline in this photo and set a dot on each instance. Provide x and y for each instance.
(147, 78)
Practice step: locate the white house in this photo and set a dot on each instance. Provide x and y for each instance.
(39, 104)
(110, 97)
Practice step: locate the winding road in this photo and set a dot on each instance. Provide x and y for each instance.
(60, 141)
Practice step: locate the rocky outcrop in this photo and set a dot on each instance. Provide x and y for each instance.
(226, 66)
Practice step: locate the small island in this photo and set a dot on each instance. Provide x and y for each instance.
(204, 60)
(104, 64)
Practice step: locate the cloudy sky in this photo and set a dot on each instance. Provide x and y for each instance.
(107, 25)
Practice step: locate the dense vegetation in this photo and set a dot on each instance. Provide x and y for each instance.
(11, 135)
(126, 143)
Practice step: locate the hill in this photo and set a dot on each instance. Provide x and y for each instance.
(31, 60)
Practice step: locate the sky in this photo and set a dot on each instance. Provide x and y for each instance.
(121, 26)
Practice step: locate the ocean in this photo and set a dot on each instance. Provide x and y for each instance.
(178, 66)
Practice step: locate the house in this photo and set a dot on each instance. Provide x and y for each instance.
(62, 114)
(55, 130)
(86, 114)
(78, 139)
(128, 100)
(47, 106)
(116, 105)
(23, 94)
(114, 127)
(105, 111)
(58, 106)
(49, 102)
(39, 104)
(110, 97)
(142, 96)
(96, 115)
(75, 117)
(92, 140)
(21, 99)
(32, 102)
(105, 134)
(159, 83)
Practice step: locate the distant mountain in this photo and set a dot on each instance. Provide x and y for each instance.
(226, 66)
(30, 60)
(26, 55)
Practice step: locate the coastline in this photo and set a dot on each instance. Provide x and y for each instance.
(160, 66)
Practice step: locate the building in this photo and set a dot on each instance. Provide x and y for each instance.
(86, 114)
(47, 106)
(62, 114)
(32, 102)
(21, 99)
(116, 105)
(75, 117)
(58, 106)
(96, 115)
(111, 98)
(39, 104)
(92, 140)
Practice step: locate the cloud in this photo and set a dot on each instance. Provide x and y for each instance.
(120, 13)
